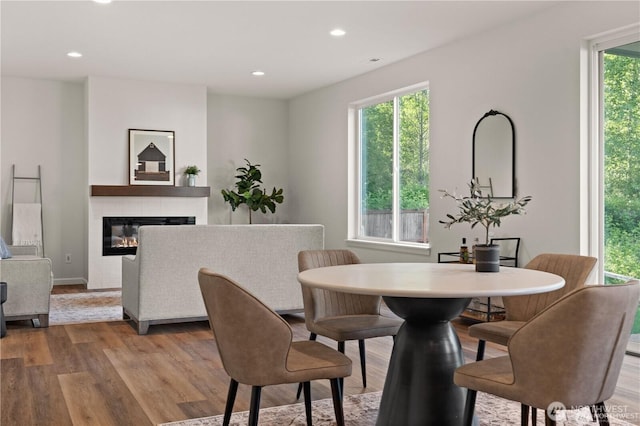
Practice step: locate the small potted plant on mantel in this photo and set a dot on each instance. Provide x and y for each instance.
(478, 209)
(191, 172)
(249, 192)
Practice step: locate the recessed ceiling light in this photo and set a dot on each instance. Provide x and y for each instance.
(74, 55)
(258, 73)
(102, 1)
(338, 32)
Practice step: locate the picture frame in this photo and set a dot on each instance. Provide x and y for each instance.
(151, 157)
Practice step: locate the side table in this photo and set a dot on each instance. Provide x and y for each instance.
(3, 298)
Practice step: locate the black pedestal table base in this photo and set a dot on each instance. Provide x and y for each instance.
(419, 388)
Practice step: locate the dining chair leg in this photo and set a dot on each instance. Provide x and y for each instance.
(231, 399)
(469, 407)
(548, 421)
(341, 350)
(480, 350)
(336, 394)
(254, 409)
(524, 415)
(594, 417)
(307, 402)
(312, 336)
(363, 362)
(601, 411)
(534, 416)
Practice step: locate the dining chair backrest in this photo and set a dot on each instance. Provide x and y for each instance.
(575, 270)
(252, 339)
(320, 303)
(580, 342)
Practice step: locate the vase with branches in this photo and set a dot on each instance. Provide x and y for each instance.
(477, 209)
(249, 191)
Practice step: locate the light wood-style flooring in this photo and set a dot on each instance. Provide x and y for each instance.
(105, 374)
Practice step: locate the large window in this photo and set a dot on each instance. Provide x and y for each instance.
(393, 160)
(616, 146)
(621, 92)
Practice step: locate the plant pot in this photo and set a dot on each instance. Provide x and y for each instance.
(191, 180)
(487, 257)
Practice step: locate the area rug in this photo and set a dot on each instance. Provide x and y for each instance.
(362, 410)
(91, 306)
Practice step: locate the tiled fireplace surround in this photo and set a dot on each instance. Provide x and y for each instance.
(105, 271)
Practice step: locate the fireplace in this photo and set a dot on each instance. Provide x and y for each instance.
(120, 234)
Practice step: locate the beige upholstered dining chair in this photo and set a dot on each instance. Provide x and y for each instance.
(342, 316)
(579, 341)
(574, 269)
(256, 347)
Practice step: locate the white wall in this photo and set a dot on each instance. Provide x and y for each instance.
(43, 124)
(529, 70)
(252, 128)
(113, 107)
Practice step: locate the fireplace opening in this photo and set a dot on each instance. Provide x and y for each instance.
(120, 234)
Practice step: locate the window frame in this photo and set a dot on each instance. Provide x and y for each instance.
(592, 228)
(354, 238)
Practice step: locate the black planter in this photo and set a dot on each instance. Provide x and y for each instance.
(487, 258)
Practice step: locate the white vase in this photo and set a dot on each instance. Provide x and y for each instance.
(191, 180)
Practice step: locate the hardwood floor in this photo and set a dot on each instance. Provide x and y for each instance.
(105, 374)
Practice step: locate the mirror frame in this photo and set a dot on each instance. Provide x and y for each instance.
(492, 113)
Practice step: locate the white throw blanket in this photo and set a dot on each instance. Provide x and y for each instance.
(27, 224)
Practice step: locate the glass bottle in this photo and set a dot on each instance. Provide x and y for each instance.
(464, 252)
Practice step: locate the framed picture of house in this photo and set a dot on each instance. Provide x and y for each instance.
(151, 157)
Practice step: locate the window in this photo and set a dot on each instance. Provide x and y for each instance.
(615, 209)
(621, 130)
(393, 168)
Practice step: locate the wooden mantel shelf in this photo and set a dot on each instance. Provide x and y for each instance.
(149, 191)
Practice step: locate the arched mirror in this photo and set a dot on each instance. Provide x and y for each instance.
(494, 145)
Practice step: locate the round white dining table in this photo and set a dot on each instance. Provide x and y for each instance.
(419, 388)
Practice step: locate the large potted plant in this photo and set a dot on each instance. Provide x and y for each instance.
(477, 209)
(248, 191)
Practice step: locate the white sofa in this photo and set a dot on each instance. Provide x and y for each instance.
(160, 283)
(29, 279)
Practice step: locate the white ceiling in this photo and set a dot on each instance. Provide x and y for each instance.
(219, 43)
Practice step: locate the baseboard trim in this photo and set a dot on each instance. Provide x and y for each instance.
(69, 281)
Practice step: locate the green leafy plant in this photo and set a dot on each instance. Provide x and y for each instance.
(477, 209)
(192, 170)
(248, 191)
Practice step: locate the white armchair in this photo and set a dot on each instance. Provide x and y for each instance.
(29, 281)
